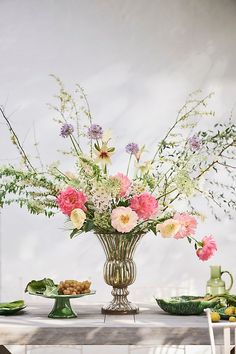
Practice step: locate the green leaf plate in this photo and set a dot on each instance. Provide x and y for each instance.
(58, 296)
(10, 308)
(186, 305)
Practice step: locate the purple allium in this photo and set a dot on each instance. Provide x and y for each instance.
(66, 130)
(195, 143)
(132, 148)
(95, 131)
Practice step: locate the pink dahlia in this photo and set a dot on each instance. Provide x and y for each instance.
(188, 225)
(123, 219)
(208, 248)
(125, 184)
(70, 199)
(145, 205)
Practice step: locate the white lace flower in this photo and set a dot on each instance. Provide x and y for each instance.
(184, 183)
(101, 197)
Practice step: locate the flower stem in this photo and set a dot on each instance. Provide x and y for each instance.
(127, 172)
(199, 243)
(74, 145)
(76, 142)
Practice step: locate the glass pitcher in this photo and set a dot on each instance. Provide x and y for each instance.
(215, 285)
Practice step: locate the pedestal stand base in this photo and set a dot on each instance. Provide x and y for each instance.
(120, 304)
(62, 309)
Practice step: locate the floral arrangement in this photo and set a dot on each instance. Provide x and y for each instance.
(93, 199)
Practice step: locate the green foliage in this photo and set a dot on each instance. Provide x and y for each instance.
(44, 287)
(179, 171)
(75, 232)
(26, 188)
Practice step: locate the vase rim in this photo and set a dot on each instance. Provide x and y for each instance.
(119, 233)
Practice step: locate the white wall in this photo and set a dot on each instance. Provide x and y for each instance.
(137, 59)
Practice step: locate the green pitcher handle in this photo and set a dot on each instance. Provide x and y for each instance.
(231, 279)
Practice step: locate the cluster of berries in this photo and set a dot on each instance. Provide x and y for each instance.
(74, 287)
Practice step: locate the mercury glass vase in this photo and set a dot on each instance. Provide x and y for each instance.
(119, 270)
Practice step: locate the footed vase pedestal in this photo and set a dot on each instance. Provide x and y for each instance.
(119, 271)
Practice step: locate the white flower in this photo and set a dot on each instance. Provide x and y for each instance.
(101, 197)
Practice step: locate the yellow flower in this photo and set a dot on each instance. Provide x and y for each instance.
(140, 152)
(107, 136)
(78, 217)
(145, 167)
(103, 154)
(70, 175)
(169, 228)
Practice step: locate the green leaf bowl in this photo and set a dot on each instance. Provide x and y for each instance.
(10, 308)
(186, 305)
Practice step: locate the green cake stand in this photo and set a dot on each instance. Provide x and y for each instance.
(62, 307)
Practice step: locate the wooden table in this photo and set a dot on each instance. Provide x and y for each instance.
(150, 327)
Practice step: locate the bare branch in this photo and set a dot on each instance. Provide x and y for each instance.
(17, 142)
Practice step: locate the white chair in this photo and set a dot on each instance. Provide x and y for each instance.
(226, 327)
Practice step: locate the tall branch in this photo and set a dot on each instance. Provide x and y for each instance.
(17, 142)
(179, 120)
(215, 161)
(37, 149)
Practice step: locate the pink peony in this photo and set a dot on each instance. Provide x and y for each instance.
(208, 248)
(188, 225)
(145, 205)
(70, 199)
(123, 219)
(125, 184)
